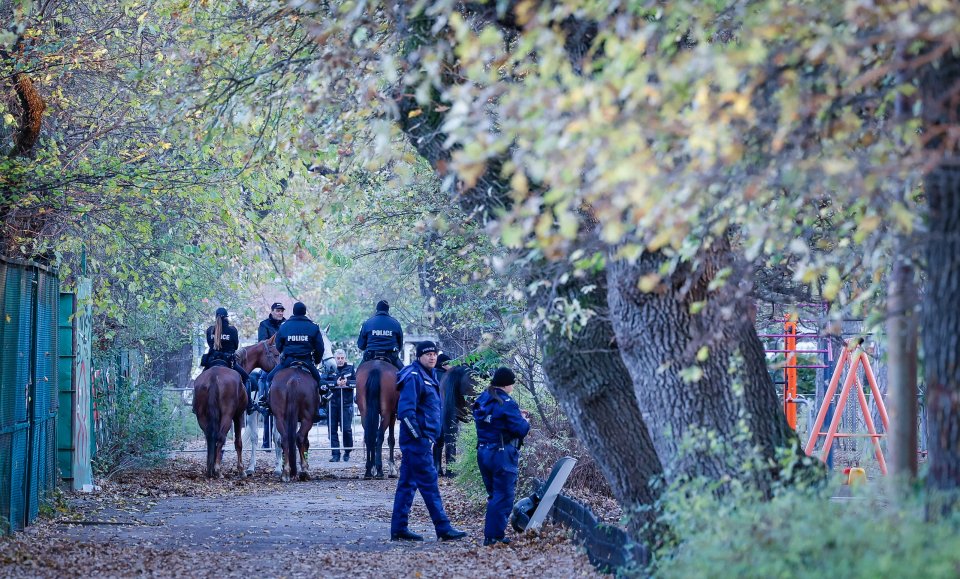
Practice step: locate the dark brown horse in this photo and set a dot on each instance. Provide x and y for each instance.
(293, 401)
(377, 398)
(220, 399)
(262, 355)
(456, 388)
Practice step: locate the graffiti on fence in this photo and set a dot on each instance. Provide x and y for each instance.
(82, 471)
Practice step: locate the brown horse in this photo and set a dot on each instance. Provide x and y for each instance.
(262, 355)
(293, 400)
(220, 399)
(377, 398)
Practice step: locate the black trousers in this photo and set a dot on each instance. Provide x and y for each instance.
(340, 417)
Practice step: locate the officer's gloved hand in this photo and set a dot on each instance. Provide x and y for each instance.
(411, 427)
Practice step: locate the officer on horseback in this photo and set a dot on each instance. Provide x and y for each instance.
(501, 426)
(222, 341)
(268, 328)
(381, 336)
(298, 341)
(419, 414)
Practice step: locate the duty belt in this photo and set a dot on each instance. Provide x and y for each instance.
(515, 442)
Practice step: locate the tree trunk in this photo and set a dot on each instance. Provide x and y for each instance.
(587, 377)
(733, 399)
(902, 372)
(941, 307)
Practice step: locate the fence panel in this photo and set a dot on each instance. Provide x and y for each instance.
(28, 391)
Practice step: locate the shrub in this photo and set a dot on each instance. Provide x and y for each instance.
(134, 427)
(803, 533)
(466, 466)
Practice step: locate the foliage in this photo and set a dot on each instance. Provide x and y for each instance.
(803, 533)
(467, 468)
(134, 429)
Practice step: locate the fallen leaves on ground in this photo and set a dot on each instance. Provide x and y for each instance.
(62, 545)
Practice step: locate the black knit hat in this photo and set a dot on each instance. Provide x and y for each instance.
(442, 359)
(222, 312)
(503, 377)
(299, 309)
(383, 306)
(425, 347)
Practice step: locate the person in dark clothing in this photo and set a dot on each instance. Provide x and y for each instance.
(381, 336)
(343, 380)
(270, 326)
(299, 340)
(419, 414)
(222, 341)
(501, 426)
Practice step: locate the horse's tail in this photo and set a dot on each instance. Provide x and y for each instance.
(290, 416)
(371, 421)
(213, 423)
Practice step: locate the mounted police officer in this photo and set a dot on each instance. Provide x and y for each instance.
(343, 380)
(298, 340)
(222, 341)
(501, 426)
(419, 413)
(381, 336)
(268, 328)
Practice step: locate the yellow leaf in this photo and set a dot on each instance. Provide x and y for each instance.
(649, 282)
(414, 113)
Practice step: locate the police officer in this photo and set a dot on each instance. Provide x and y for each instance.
(298, 340)
(501, 426)
(419, 413)
(381, 335)
(268, 328)
(222, 341)
(340, 413)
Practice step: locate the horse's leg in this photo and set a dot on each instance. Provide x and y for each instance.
(226, 422)
(277, 450)
(251, 428)
(378, 457)
(391, 441)
(238, 441)
(303, 441)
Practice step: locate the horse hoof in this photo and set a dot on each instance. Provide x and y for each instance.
(247, 473)
(304, 476)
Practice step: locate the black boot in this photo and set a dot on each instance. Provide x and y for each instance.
(405, 535)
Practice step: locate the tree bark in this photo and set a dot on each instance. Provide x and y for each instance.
(941, 307)
(586, 376)
(707, 425)
(902, 372)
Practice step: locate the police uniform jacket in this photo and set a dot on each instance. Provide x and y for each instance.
(498, 422)
(419, 400)
(300, 338)
(269, 327)
(381, 332)
(229, 339)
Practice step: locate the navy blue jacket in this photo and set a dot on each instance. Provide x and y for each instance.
(229, 339)
(300, 338)
(381, 332)
(268, 328)
(420, 399)
(498, 422)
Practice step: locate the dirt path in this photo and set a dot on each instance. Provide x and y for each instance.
(173, 522)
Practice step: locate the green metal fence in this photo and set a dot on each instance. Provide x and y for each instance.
(28, 390)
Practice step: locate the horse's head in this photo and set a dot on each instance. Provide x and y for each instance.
(263, 355)
(329, 364)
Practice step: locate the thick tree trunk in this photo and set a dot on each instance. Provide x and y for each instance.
(941, 307)
(731, 402)
(902, 372)
(587, 377)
